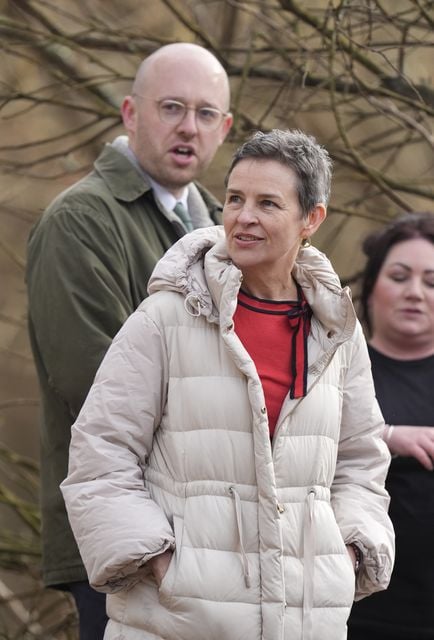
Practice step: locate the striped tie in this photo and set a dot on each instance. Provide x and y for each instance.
(183, 215)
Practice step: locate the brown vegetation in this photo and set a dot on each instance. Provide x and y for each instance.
(356, 74)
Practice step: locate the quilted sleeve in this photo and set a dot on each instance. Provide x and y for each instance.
(359, 498)
(117, 525)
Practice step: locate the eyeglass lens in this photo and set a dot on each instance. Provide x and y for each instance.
(173, 112)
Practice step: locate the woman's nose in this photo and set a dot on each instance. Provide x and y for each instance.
(247, 215)
(415, 288)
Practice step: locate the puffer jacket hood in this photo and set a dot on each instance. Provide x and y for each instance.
(182, 270)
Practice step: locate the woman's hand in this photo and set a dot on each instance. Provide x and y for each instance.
(352, 555)
(414, 442)
(159, 565)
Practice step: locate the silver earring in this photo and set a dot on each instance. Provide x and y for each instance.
(306, 242)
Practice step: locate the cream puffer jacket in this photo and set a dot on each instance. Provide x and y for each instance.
(172, 450)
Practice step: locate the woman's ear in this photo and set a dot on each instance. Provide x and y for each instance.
(315, 218)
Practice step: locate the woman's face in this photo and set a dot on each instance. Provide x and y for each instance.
(262, 217)
(401, 304)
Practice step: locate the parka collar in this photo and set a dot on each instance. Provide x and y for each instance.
(127, 183)
(120, 175)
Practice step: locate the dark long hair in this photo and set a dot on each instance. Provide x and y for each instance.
(377, 245)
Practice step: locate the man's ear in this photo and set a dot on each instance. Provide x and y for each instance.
(226, 126)
(315, 219)
(128, 112)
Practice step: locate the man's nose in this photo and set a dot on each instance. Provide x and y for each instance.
(188, 124)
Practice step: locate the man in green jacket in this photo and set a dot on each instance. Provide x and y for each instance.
(92, 252)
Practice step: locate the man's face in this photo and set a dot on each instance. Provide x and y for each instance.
(175, 154)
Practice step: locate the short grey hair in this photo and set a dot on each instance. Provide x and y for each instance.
(298, 151)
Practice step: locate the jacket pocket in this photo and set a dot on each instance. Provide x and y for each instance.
(343, 569)
(166, 588)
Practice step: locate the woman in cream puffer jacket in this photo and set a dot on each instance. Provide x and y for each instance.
(172, 451)
(216, 491)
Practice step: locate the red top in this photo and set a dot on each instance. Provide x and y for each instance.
(275, 335)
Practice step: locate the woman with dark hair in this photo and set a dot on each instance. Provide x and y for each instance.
(397, 300)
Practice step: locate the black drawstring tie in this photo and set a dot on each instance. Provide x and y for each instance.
(299, 317)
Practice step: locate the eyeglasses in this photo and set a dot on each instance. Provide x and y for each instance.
(173, 112)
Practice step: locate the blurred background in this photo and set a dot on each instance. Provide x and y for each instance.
(357, 74)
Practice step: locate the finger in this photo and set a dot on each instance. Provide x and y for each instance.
(424, 458)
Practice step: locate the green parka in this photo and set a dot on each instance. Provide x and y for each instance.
(89, 260)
